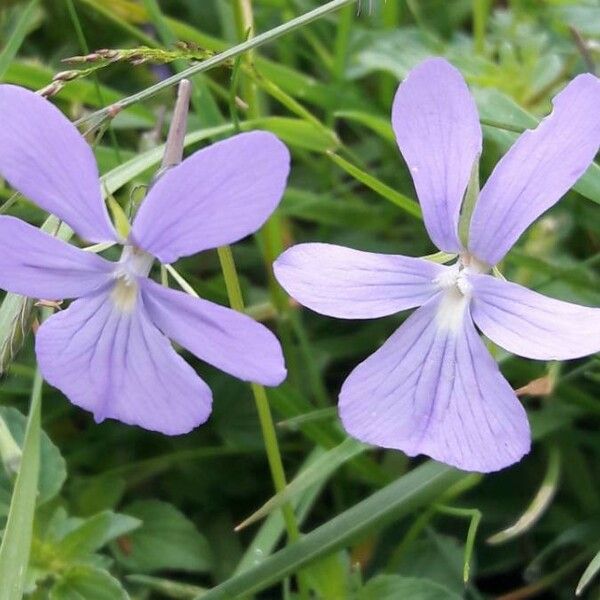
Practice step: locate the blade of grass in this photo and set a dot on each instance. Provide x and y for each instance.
(419, 487)
(16, 541)
(221, 58)
(319, 471)
(17, 36)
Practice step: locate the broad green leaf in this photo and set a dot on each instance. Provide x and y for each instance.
(435, 557)
(94, 533)
(83, 582)
(415, 489)
(35, 76)
(320, 470)
(330, 576)
(16, 539)
(53, 469)
(380, 125)
(95, 494)
(166, 540)
(298, 133)
(395, 587)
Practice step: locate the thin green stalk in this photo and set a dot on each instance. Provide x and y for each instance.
(480, 15)
(219, 59)
(236, 301)
(271, 235)
(86, 50)
(16, 541)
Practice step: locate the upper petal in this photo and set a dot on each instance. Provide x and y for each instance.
(35, 264)
(437, 129)
(538, 170)
(350, 284)
(117, 365)
(434, 389)
(531, 324)
(43, 156)
(224, 338)
(216, 196)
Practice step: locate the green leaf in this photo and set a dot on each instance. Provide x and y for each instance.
(16, 541)
(53, 471)
(394, 587)
(415, 489)
(330, 576)
(27, 16)
(166, 540)
(320, 470)
(589, 573)
(297, 133)
(83, 582)
(93, 533)
(380, 125)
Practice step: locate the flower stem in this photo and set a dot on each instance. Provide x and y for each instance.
(236, 301)
(480, 15)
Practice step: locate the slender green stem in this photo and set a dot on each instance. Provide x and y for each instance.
(86, 50)
(480, 15)
(260, 397)
(271, 235)
(219, 59)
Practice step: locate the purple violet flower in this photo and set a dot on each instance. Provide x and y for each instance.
(109, 351)
(433, 388)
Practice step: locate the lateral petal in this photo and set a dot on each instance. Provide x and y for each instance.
(216, 196)
(434, 389)
(224, 338)
(35, 264)
(351, 284)
(437, 129)
(543, 164)
(117, 365)
(43, 156)
(531, 324)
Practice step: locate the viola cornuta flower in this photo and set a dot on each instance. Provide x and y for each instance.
(109, 351)
(433, 388)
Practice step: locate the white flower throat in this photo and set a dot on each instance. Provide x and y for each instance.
(133, 264)
(457, 291)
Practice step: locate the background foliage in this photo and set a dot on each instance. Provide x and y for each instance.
(124, 513)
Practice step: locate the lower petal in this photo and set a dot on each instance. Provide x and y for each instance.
(434, 389)
(531, 324)
(118, 365)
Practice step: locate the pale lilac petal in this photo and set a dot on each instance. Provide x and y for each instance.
(118, 365)
(437, 129)
(43, 156)
(222, 337)
(215, 197)
(538, 170)
(434, 389)
(35, 264)
(350, 284)
(531, 324)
